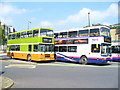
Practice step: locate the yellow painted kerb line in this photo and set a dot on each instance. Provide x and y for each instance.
(20, 66)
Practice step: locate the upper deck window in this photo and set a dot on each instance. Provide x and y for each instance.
(72, 34)
(46, 32)
(13, 36)
(23, 35)
(17, 35)
(55, 35)
(9, 37)
(105, 32)
(35, 33)
(63, 35)
(29, 34)
(83, 33)
(94, 32)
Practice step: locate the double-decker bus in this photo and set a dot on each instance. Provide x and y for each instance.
(83, 45)
(116, 51)
(35, 44)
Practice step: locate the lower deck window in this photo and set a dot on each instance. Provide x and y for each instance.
(62, 48)
(72, 48)
(56, 49)
(95, 48)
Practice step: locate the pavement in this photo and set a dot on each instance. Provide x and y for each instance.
(5, 82)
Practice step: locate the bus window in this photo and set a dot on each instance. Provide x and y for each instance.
(72, 48)
(83, 33)
(115, 49)
(35, 33)
(17, 47)
(18, 35)
(105, 32)
(95, 48)
(55, 35)
(13, 36)
(72, 34)
(94, 32)
(50, 33)
(63, 34)
(9, 37)
(35, 48)
(23, 35)
(42, 48)
(12, 47)
(29, 34)
(30, 48)
(51, 47)
(56, 49)
(46, 32)
(62, 48)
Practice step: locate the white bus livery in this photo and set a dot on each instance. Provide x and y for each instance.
(116, 51)
(84, 45)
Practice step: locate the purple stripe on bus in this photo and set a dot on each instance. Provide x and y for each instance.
(77, 38)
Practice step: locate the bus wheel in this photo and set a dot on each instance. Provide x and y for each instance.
(29, 57)
(83, 60)
(12, 56)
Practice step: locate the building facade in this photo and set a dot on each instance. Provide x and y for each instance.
(115, 32)
(6, 29)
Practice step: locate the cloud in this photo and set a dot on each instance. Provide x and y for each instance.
(46, 23)
(7, 21)
(81, 17)
(9, 9)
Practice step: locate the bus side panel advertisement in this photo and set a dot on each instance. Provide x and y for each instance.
(72, 41)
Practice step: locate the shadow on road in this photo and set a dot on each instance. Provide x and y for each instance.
(36, 61)
(103, 64)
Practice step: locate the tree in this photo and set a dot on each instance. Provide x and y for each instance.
(2, 35)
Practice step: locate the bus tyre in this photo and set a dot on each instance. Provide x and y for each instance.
(29, 57)
(83, 60)
(12, 56)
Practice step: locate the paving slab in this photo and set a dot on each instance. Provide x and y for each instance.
(5, 82)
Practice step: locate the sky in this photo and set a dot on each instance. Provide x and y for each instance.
(57, 15)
